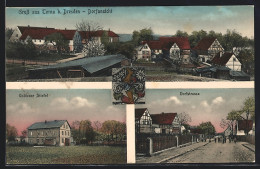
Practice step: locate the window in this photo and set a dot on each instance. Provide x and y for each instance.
(31, 133)
(62, 133)
(42, 133)
(234, 59)
(16, 35)
(147, 52)
(40, 40)
(143, 52)
(65, 133)
(62, 140)
(37, 140)
(145, 47)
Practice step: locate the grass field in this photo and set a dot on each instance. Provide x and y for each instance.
(66, 155)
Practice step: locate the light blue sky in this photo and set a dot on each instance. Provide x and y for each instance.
(163, 20)
(211, 105)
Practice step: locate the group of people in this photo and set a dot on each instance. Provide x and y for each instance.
(224, 139)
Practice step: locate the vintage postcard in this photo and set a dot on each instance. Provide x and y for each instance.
(64, 126)
(172, 43)
(196, 126)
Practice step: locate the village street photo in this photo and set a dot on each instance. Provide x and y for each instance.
(172, 43)
(64, 126)
(196, 126)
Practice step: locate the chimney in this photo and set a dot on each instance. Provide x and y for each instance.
(28, 25)
(220, 54)
(162, 112)
(65, 28)
(46, 26)
(45, 121)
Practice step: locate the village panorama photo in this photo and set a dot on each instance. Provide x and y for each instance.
(172, 43)
(209, 126)
(64, 126)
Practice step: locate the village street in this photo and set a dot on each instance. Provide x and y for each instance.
(218, 153)
(206, 153)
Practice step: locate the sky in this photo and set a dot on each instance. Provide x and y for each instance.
(211, 105)
(61, 104)
(164, 20)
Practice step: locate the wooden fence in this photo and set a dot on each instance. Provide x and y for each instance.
(158, 142)
(250, 139)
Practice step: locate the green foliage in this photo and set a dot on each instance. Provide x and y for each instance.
(249, 106)
(207, 128)
(59, 41)
(127, 49)
(8, 33)
(247, 59)
(196, 36)
(11, 132)
(66, 155)
(180, 33)
(145, 34)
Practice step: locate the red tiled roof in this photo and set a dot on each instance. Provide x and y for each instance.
(167, 42)
(163, 118)
(139, 113)
(245, 124)
(221, 60)
(67, 34)
(204, 43)
(23, 28)
(37, 33)
(99, 33)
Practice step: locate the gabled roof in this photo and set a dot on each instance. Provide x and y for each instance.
(182, 42)
(245, 124)
(47, 124)
(91, 64)
(99, 33)
(67, 34)
(204, 43)
(163, 118)
(139, 113)
(221, 60)
(167, 42)
(23, 28)
(37, 33)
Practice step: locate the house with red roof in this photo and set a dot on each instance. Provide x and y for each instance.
(207, 48)
(166, 123)
(244, 125)
(174, 47)
(143, 121)
(76, 38)
(227, 59)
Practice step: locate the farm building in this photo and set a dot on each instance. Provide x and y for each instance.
(166, 123)
(218, 72)
(143, 121)
(57, 132)
(84, 67)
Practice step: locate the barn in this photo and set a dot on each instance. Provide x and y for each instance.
(83, 67)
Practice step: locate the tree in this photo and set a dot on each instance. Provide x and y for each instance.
(8, 33)
(86, 130)
(184, 118)
(196, 36)
(180, 33)
(145, 34)
(207, 128)
(230, 120)
(247, 59)
(249, 106)
(24, 135)
(93, 49)
(127, 49)
(11, 132)
(97, 125)
(58, 40)
(88, 28)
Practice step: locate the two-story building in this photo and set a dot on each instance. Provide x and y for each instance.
(207, 48)
(227, 59)
(57, 132)
(143, 121)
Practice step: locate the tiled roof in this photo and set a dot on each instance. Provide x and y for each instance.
(139, 113)
(91, 64)
(47, 124)
(204, 43)
(167, 42)
(23, 28)
(221, 60)
(67, 34)
(163, 118)
(37, 33)
(245, 124)
(99, 33)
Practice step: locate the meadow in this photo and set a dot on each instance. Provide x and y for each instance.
(66, 155)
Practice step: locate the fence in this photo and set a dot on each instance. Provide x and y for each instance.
(250, 139)
(29, 62)
(147, 144)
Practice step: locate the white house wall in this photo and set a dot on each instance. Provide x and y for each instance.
(15, 35)
(234, 63)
